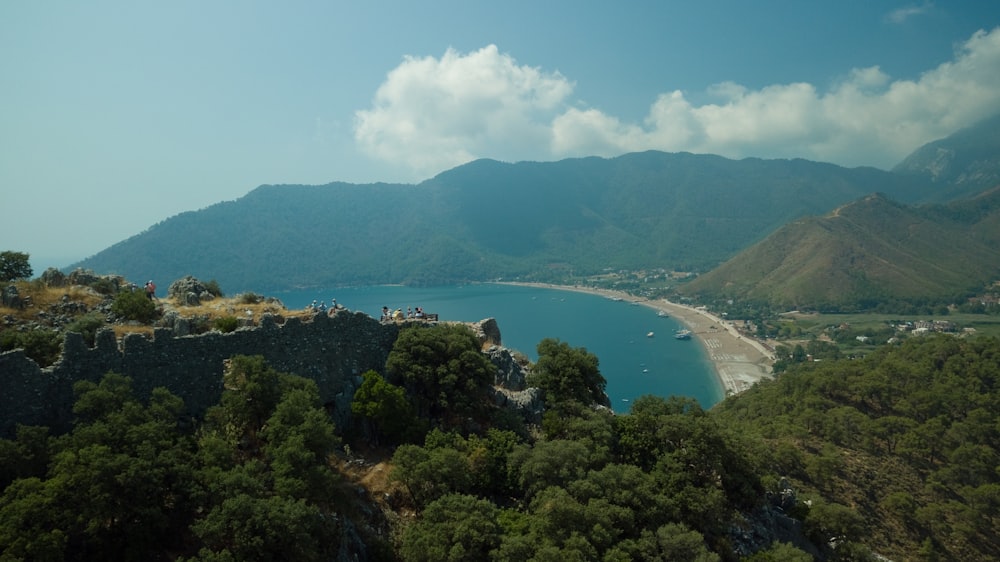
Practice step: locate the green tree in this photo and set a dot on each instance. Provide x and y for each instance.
(430, 473)
(266, 528)
(384, 410)
(564, 373)
(117, 487)
(453, 528)
(444, 372)
(831, 521)
(264, 469)
(14, 265)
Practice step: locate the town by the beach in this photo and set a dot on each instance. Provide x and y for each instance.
(739, 360)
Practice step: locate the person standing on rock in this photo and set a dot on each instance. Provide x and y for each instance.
(150, 289)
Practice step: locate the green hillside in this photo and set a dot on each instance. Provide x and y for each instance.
(488, 219)
(862, 253)
(905, 438)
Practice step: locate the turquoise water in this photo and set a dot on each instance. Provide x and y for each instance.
(615, 331)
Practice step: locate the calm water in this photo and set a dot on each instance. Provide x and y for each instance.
(615, 331)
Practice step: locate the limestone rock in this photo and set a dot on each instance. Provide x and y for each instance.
(511, 374)
(189, 291)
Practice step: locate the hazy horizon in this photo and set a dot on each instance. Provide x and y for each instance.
(120, 116)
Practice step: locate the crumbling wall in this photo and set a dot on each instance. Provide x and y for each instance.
(331, 350)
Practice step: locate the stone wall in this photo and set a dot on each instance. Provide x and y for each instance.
(331, 350)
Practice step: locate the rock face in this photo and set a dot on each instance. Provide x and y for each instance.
(189, 291)
(333, 351)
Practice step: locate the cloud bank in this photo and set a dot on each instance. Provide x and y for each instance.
(433, 114)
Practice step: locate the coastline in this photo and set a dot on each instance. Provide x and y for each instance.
(739, 361)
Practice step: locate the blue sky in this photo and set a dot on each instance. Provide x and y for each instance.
(118, 115)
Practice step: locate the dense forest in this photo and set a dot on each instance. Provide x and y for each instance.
(895, 454)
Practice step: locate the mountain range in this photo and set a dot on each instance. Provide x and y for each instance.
(547, 221)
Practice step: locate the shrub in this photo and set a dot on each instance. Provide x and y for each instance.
(87, 325)
(226, 324)
(213, 287)
(104, 286)
(134, 305)
(42, 345)
(249, 298)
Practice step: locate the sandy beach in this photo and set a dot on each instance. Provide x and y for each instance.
(739, 361)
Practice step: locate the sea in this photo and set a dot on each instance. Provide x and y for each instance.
(637, 352)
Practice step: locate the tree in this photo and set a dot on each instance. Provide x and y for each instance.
(453, 528)
(383, 407)
(14, 265)
(443, 370)
(565, 373)
(117, 487)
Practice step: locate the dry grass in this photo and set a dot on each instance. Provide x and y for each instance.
(43, 297)
(223, 307)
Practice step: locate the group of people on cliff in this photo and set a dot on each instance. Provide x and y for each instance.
(398, 314)
(320, 306)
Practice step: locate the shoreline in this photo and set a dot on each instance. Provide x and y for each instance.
(739, 361)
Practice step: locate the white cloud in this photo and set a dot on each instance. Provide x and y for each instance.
(434, 114)
(902, 14)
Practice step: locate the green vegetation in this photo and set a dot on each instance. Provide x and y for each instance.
(87, 325)
(444, 372)
(554, 221)
(895, 453)
(134, 305)
(870, 255)
(41, 344)
(13, 266)
(907, 437)
(567, 374)
(226, 324)
(129, 482)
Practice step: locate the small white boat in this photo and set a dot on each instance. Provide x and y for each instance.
(662, 314)
(683, 334)
(649, 335)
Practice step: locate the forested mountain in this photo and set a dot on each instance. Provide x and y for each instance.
(962, 164)
(868, 251)
(906, 438)
(488, 219)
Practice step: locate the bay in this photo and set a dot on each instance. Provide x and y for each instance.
(616, 331)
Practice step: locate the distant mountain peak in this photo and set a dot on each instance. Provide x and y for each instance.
(963, 164)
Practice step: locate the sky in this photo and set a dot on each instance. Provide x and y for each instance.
(115, 116)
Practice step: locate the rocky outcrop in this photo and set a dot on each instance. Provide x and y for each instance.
(52, 277)
(189, 291)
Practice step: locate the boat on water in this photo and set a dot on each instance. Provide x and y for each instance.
(683, 334)
(650, 334)
(662, 314)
